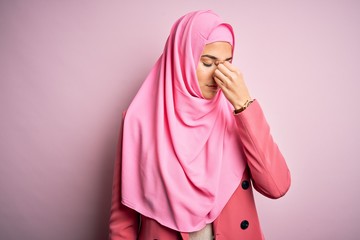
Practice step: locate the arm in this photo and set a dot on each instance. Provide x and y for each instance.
(124, 222)
(268, 168)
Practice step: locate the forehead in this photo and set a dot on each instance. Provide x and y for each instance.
(218, 49)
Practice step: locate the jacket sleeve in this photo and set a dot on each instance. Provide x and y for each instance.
(124, 222)
(269, 171)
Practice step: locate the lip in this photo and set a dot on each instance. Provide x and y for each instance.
(213, 86)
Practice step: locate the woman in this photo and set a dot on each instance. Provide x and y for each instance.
(193, 143)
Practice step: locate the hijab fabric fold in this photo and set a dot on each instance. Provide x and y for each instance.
(181, 155)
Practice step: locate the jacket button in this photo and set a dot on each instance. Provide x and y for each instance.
(245, 184)
(244, 224)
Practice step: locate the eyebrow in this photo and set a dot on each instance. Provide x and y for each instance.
(214, 58)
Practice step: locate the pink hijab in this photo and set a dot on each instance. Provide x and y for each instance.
(181, 155)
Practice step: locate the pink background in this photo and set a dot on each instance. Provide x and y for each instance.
(69, 68)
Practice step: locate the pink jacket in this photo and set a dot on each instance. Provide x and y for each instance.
(267, 172)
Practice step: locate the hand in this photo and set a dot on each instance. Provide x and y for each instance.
(232, 84)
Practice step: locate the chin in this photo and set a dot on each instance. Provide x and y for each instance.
(209, 96)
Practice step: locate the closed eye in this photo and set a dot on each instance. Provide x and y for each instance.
(207, 64)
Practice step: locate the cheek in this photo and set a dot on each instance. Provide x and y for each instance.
(199, 74)
(204, 74)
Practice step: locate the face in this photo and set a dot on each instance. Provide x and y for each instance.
(213, 54)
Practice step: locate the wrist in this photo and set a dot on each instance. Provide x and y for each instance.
(241, 107)
(241, 102)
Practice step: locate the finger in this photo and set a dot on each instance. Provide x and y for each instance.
(220, 83)
(225, 70)
(230, 66)
(220, 75)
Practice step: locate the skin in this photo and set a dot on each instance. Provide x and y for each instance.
(216, 72)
